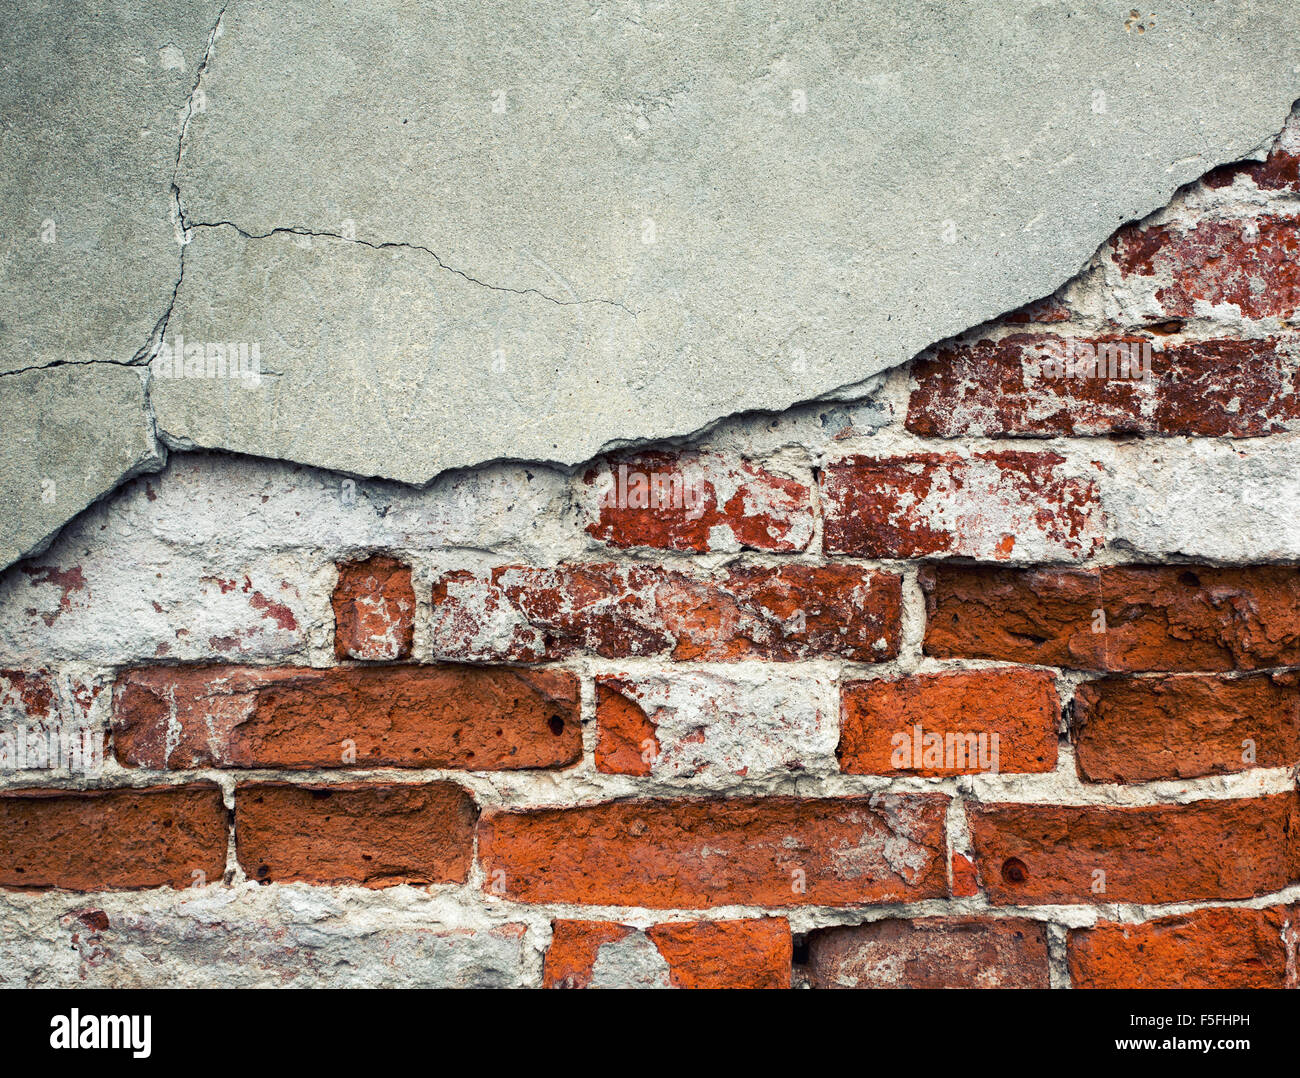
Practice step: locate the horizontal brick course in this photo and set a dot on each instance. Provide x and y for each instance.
(377, 835)
(125, 839)
(692, 854)
(472, 718)
(520, 613)
(1201, 851)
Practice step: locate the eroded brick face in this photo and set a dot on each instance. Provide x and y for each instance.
(373, 835)
(470, 718)
(1184, 726)
(1225, 387)
(1204, 850)
(1119, 618)
(374, 609)
(783, 614)
(695, 502)
(694, 854)
(683, 954)
(1227, 947)
(1250, 265)
(939, 953)
(990, 506)
(962, 723)
(99, 840)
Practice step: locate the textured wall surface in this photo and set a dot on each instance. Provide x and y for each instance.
(669, 717)
(393, 238)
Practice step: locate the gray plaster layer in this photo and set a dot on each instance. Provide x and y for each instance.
(470, 231)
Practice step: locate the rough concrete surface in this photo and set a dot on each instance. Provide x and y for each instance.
(425, 236)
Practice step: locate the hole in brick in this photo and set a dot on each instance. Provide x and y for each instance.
(1190, 579)
(1014, 870)
(321, 795)
(263, 871)
(556, 724)
(800, 950)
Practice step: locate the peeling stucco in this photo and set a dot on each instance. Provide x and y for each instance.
(471, 232)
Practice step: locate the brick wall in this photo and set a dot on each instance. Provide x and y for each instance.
(985, 677)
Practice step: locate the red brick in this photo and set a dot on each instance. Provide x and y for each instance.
(939, 953)
(625, 735)
(965, 878)
(978, 506)
(1156, 618)
(1253, 265)
(1204, 850)
(475, 718)
(1225, 387)
(879, 721)
(697, 954)
(1210, 948)
(376, 835)
(374, 610)
(781, 614)
(694, 854)
(1184, 726)
(695, 502)
(94, 840)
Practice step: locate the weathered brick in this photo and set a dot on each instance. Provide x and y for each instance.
(1210, 948)
(98, 601)
(1184, 726)
(374, 610)
(376, 835)
(1226, 387)
(781, 614)
(958, 723)
(715, 727)
(681, 954)
(692, 854)
(93, 840)
(695, 502)
(252, 937)
(991, 506)
(1151, 618)
(1251, 264)
(938, 953)
(475, 718)
(1205, 850)
(49, 720)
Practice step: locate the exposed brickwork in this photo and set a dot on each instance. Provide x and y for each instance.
(692, 854)
(931, 954)
(1186, 725)
(1225, 387)
(1120, 618)
(1251, 265)
(1205, 850)
(94, 840)
(782, 614)
(474, 718)
(691, 954)
(374, 609)
(695, 502)
(946, 724)
(1207, 948)
(376, 835)
(990, 506)
(1015, 632)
